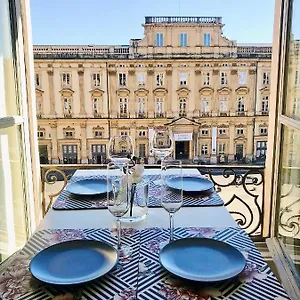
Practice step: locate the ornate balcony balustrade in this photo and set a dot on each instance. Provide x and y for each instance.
(241, 188)
(183, 20)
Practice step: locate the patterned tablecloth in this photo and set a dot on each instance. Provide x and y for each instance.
(139, 274)
(68, 201)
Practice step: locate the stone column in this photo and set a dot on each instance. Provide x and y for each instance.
(81, 91)
(84, 156)
(51, 93)
(54, 154)
(231, 152)
(249, 150)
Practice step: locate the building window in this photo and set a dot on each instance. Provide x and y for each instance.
(37, 80)
(122, 79)
(141, 79)
(205, 104)
(240, 131)
(296, 107)
(266, 78)
(297, 78)
(207, 39)
(183, 39)
(98, 153)
(204, 132)
(206, 79)
(242, 78)
(123, 106)
(160, 79)
(222, 148)
(204, 149)
(223, 78)
(67, 107)
(183, 78)
(182, 107)
(69, 154)
(66, 79)
(223, 104)
(69, 134)
(261, 150)
(142, 133)
(159, 107)
(265, 104)
(96, 106)
(38, 107)
(96, 79)
(41, 134)
(241, 104)
(98, 134)
(141, 106)
(124, 133)
(142, 150)
(263, 131)
(159, 40)
(222, 131)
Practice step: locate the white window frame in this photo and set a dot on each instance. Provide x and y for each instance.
(183, 78)
(266, 78)
(96, 79)
(123, 106)
(240, 104)
(204, 149)
(159, 39)
(223, 78)
(205, 104)
(66, 79)
(223, 104)
(206, 39)
(160, 79)
(242, 78)
(122, 79)
(206, 79)
(141, 79)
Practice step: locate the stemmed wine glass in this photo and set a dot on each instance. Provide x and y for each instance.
(171, 177)
(162, 142)
(120, 150)
(117, 194)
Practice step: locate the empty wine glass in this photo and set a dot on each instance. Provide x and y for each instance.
(171, 198)
(120, 150)
(162, 142)
(117, 194)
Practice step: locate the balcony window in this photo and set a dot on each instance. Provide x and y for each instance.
(222, 131)
(141, 106)
(98, 152)
(223, 104)
(265, 105)
(223, 79)
(221, 148)
(240, 131)
(96, 80)
(123, 106)
(122, 79)
(159, 41)
(66, 79)
(141, 79)
(96, 107)
(241, 104)
(206, 79)
(142, 150)
(261, 150)
(160, 79)
(41, 134)
(38, 107)
(183, 39)
(242, 78)
(297, 78)
(159, 107)
(263, 131)
(206, 39)
(70, 154)
(182, 107)
(266, 78)
(296, 107)
(67, 107)
(183, 79)
(204, 149)
(205, 105)
(98, 134)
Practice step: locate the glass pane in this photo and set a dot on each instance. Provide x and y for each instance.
(289, 214)
(291, 105)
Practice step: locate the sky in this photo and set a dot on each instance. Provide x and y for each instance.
(114, 22)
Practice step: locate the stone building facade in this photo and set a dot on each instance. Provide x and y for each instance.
(212, 92)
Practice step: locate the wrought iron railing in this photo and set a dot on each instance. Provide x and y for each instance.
(241, 187)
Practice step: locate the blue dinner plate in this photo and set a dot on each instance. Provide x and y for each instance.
(73, 262)
(190, 184)
(89, 187)
(201, 259)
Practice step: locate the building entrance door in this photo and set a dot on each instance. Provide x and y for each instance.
(182, 149)
(239, 151)
(43, 154)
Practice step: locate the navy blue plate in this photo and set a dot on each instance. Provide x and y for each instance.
(73, 262)
(89, 187)
(201, 259)
(190, 184)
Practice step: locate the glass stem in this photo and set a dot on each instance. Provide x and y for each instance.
(171, 226)
(119, 232)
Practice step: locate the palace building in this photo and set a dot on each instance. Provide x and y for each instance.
(211, 91)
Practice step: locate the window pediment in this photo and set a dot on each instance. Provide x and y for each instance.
(98, 128)
(223, 126)
(263, 125)
(206, 90)
(123, 91)
(66, 92)
(265, 91)
(160, 91)
(183, 91)
(242, 90)
(97, 92)
(224, 91)
(39, 92)
(141, 92)
(239, 125)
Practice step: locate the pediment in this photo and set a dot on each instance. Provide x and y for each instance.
(265, 90)
(39, 92)
(97, 92)
(224, 90)
(141, 92)
(123, 91)
(242, 90)
(160, 91)
(206, 90)
(66, 92)
(263, 125)
(183, 91)
(240, 138)
(183, 121)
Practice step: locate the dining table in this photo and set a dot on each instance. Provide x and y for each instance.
(139, 273)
